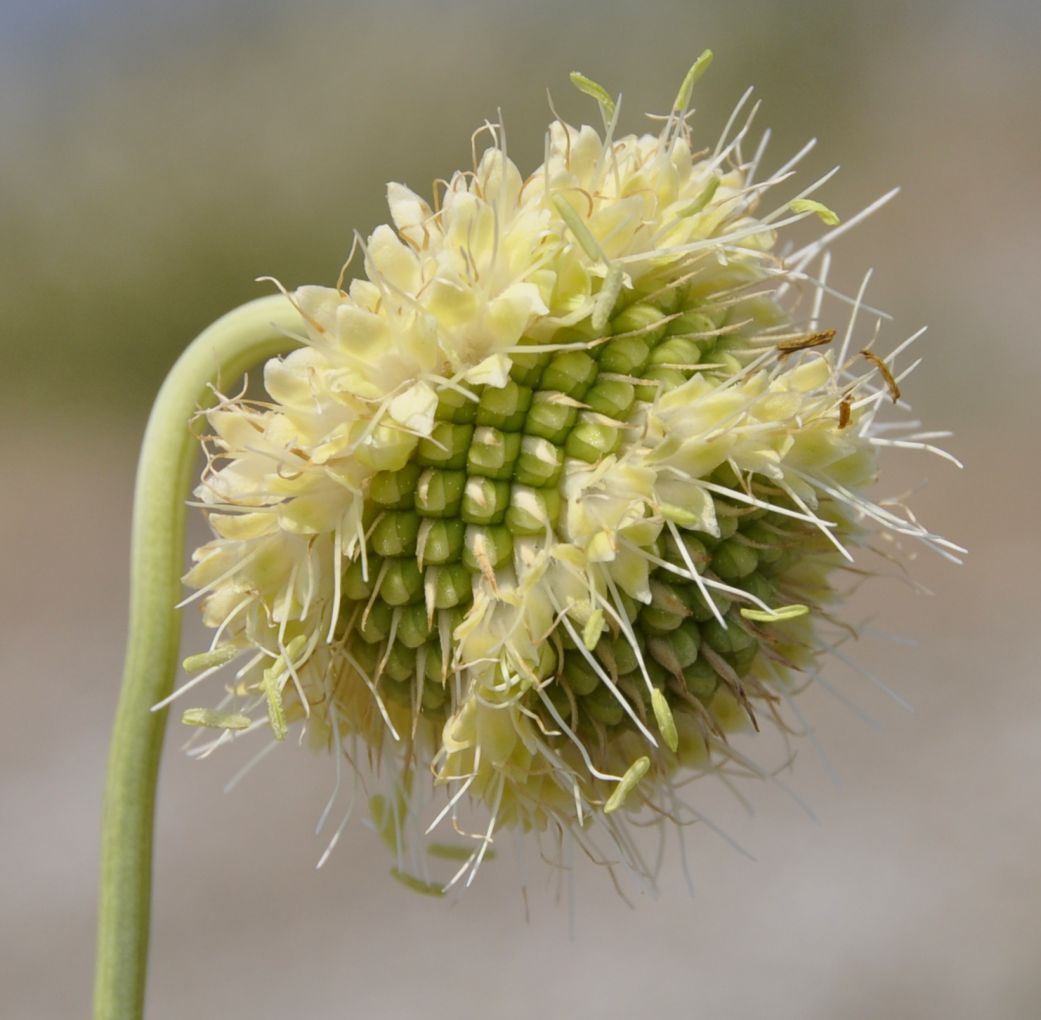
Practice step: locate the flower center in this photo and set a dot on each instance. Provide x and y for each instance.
(492, 473)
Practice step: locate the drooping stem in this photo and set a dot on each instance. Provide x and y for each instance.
(220, 354)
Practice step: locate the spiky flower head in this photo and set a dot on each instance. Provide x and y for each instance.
(551, 499)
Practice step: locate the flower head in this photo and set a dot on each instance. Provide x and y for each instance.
(552, 498)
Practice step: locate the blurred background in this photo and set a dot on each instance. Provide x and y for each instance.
(156, 157)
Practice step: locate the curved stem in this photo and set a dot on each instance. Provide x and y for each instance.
(220, 354)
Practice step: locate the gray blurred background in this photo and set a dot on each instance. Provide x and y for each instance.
(155, 157)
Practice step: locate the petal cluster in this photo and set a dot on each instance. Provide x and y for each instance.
(551, 498)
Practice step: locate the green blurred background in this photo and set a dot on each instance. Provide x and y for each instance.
(157, 157)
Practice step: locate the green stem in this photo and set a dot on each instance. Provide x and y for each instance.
(221, 353)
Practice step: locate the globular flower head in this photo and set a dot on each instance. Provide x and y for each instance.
(552, 498)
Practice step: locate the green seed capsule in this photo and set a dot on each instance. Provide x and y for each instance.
(678, 649)
(395, 533)
(539, 462)
(707, 542)
(692, 546)
(743, 659)
(580, 676)
(708, 356)
(449, 619)
(547, 660)
(694, 322)
(646, 320)
(591, 440)
(630, 610)
(611, 397)
(726, 475)
(663, 650)
(375, 624)
(550, 417)
(659, 621)
(750, 514)
(685, 643)
(700, 609)
(759, 587)
(532, 511)
(440, 541)
(527, 368)
(732, 560)
(657, 674)
(623, 656)
(455, 406)
(666, 597)
(401, 663)
(701, 680)
(357, 582)
(439, 493)
(579, 336)
(676, 352)
(433, 667)
(671, 301)
(487, 548)
(768, 546)
(402, 582)
(569, 372)
(370, 511)
(484, 500)
(659, 380)
(434, 695)
(394, 490)
(446, 446)
(625, 355)
(449, 585)
(729, 365)
(504, 408)
(493, 452)
(728, 524)
(603, 706)
(725, 640)
(557, 694)
(413, 630)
